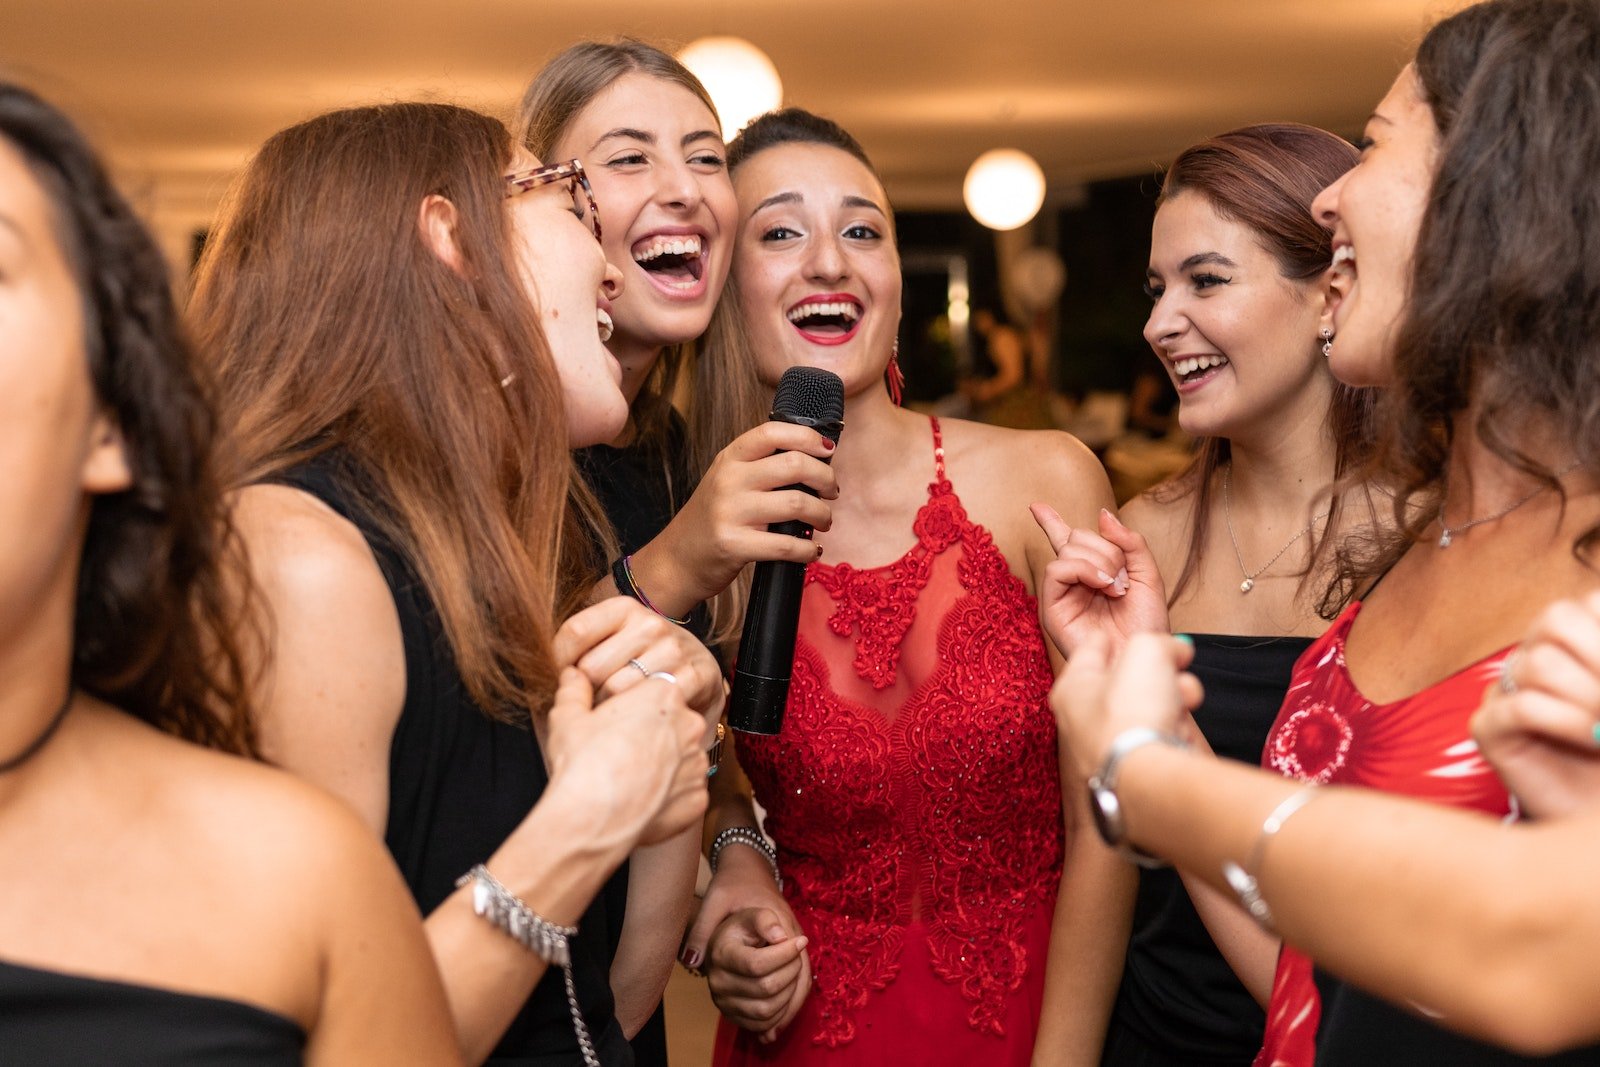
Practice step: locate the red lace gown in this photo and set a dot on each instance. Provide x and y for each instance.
(1419, 746)
(915, 799)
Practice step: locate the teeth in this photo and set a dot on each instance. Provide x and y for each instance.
(1345, 254)
(843, 309)
(667, 246)
(603, 321)
(1186, 367)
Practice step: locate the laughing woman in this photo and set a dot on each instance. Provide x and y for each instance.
(1465, 241)
(404, 310)
(690, 510)
(914, 791)
(163, 904)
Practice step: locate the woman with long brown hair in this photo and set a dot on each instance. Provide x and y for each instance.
(690, 508)
(407, 316)
(1465, 244)
(1241, 285)
(163, 904)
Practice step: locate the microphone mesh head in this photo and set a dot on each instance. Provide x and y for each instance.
(809, 395)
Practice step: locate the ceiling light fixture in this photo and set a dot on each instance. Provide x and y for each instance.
(742, 81)
(1004, 189)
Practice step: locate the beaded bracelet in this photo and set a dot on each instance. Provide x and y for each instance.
(493, 902)
(746, 835)
(622, 574)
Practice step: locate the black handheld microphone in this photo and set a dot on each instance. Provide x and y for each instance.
(810, 397)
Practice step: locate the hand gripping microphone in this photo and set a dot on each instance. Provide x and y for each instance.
(811, 397)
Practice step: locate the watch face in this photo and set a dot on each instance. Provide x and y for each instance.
(1106, 811)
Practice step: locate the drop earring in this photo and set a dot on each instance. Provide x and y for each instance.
(1327, 343)
(895, 377)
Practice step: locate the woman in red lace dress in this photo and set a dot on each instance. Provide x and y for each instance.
(913, 793)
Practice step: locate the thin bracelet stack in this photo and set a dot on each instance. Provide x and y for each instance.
(622, 574)
(1241, 880)
(750, 836)
(495, 903)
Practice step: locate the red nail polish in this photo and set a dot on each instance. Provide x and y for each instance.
(829, 443)
(819, 551)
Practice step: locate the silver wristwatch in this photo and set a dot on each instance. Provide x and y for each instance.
(1106, 808)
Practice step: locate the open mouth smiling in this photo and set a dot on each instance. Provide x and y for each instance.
(674, 262)
(827, 318)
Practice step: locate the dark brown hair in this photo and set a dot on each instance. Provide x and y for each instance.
(334, 324)
(1503, 316)
(1265, 177)
(155, 572)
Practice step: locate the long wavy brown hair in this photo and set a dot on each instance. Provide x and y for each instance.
(157, 581)
(334, 325)
(720, 402)
(1502, 324)
(1265, 177)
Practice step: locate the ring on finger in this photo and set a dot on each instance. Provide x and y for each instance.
(640, 667)
(1508, 684)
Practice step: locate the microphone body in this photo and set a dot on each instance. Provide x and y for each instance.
(806, 396)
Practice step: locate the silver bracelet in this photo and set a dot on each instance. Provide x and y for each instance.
(746, 835)
(492, 901)
(1240, 880)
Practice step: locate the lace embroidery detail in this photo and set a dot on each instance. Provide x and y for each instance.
(954, 801)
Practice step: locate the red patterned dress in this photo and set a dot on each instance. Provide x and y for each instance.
(915, 799)
(1419, 746)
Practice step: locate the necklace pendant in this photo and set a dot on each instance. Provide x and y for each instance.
(1444, 539)
(1247, 585)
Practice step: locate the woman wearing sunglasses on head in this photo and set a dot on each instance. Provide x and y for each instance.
(407, 315)
(1465, 241)
(163, 904)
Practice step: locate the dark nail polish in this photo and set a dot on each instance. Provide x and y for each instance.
(829, 444)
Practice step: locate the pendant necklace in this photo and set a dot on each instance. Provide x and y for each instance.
(1249, 582)
(1448, 533)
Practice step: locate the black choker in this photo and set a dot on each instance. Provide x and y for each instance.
(39, 742)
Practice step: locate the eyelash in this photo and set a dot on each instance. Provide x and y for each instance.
(779, 233)
(1201, 281)
(1362, 143)
(634, 159)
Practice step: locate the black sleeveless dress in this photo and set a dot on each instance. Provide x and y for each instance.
(1179, 1004)
(459, 784)
(52, 1019)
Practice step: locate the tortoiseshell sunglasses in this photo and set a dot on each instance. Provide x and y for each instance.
(572, 172)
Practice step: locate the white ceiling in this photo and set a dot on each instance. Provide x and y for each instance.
(179, 91)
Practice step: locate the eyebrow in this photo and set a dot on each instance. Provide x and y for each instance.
(1216, 259)
(796, 198)
(628, 133)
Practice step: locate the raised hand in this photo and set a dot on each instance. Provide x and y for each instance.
(1539, 727)
(1101, 585)
(723, 526)
(1098, 696)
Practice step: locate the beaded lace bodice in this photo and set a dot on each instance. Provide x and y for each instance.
(916, 776)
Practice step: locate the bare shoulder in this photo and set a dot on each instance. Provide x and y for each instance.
(1039, 465)
(333, 678)
(1162, 515)
(295, 540)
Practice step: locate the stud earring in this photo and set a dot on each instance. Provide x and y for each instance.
(1327, 343)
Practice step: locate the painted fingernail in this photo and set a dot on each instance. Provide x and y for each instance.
(1596, 732)
(689, 958)
(829, 444)
(1185, 638)
(819, 551)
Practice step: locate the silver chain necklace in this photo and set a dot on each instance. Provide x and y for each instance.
(1448, 533)
(1249, 582)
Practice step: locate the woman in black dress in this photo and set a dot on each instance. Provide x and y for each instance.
(163, 904)
(408, 317)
